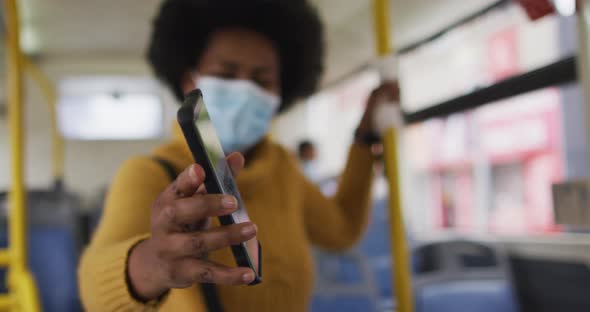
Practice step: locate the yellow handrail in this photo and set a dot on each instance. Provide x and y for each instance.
(23, 293)
(399, 248)
(6, 302)
(4, 258)
(15, 109)
(48, 90)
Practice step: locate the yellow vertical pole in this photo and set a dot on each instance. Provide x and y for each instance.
(15, 114)
(21, 285)
(401, 265)
(48, 90)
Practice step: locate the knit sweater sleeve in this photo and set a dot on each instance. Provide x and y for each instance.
(124, 223)
(339, 222)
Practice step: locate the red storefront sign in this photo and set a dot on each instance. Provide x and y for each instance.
(536, 9)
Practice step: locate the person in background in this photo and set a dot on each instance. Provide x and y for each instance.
(158, 243)
(308, 157)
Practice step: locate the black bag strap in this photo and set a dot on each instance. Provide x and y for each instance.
(209, 291)
(168, 167)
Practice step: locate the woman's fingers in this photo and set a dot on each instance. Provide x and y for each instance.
(190, 181)
(175, 216)
(236, 162)
(187, 183)
(199, 244)
(202, 271)
(180, 240)
(201, 190)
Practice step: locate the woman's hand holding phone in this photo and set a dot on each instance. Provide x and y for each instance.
(175, 255)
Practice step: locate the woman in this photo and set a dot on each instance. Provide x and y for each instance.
(154, 245)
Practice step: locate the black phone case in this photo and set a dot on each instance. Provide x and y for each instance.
(195, 142)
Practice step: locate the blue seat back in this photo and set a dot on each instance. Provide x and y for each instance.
(342, 304)
(53, 260)
(469, 295)
(463, 276)
(53, 250)
(358, 280)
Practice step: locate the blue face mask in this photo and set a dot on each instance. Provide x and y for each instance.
(241, 111)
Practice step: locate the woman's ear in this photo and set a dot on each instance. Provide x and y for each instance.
(188, 82)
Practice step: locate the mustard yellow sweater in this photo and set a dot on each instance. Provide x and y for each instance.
(291, 214)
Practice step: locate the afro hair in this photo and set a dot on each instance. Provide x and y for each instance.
(182, 30)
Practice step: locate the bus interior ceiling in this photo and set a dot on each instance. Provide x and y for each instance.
(117, 48)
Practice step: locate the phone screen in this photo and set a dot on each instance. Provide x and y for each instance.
(205, 125)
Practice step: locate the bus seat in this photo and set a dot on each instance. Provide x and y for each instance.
(364, 272)
(53, 261)
(376, 245)
(458, 296)
(545, 285)
(381, 268)
(462, 275)
(342, 304)
(376, 241)
(53, 248)
(344, 282)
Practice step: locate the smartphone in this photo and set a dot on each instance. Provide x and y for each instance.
(204, 144)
